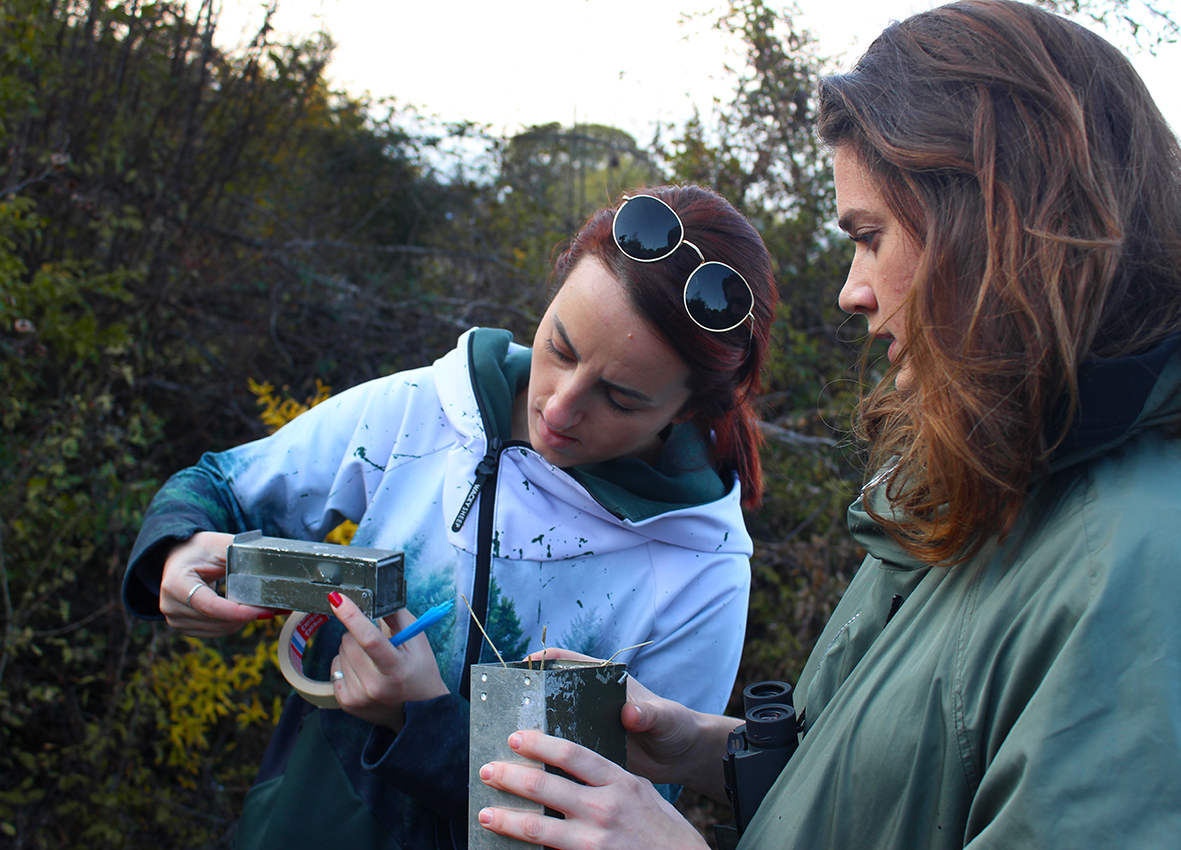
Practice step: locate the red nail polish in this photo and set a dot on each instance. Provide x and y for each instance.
(334, 599)
(265, 615)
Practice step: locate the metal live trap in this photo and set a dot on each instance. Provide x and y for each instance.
(298, 575)
(578, 701)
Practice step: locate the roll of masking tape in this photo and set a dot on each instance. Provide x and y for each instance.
(293, 642)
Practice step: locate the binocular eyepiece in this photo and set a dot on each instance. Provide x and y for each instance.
(770, 716)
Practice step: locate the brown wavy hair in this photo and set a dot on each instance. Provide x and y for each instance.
(726, 368)
(1043, 186)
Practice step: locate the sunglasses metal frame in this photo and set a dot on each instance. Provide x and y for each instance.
(681, 240)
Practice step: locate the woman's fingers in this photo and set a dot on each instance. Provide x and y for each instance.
(555, 652)
(367, 633)
(358, 672)
(379, 678)
(530, 826)
(585, 819)
(343, 677)
(188, 599)
(365, 655)
(613, 810)
(578, 761)
(531, 783)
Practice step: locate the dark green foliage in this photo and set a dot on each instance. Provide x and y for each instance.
(165, 213)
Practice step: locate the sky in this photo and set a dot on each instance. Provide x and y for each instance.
(626, 63)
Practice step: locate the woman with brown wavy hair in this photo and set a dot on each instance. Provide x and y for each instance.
(1031, 169)
(1005, 668)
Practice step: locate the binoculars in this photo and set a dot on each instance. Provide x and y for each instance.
(758, 750)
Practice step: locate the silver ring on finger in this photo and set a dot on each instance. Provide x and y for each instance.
(192, 590)
(337, 675)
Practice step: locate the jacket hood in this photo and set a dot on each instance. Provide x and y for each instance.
(1121, 397)
(596, 508)
(1118, 399)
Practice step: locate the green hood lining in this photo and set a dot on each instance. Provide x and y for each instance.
(629, 488)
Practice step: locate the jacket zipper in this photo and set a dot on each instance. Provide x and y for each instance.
(481, 580)
(485, 469)
(484, 489)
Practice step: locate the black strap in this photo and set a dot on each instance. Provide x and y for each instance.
(480, 582)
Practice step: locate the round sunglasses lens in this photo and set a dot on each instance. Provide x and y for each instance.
(717, 297)
(647, 229)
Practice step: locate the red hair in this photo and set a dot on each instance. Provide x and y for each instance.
(726, 367)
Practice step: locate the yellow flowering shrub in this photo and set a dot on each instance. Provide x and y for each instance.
(279, 410)
(198, 686)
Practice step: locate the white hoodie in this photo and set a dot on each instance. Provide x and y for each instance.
(399, 456)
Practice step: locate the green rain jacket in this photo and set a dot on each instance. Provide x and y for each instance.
(1029, 698)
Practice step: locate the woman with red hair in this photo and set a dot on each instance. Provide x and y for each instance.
(590, 487)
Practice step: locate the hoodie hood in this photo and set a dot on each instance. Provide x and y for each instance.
(617, 504)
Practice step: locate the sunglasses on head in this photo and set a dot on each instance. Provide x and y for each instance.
(717, 298)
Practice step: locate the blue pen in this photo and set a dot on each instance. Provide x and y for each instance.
(423, 623)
